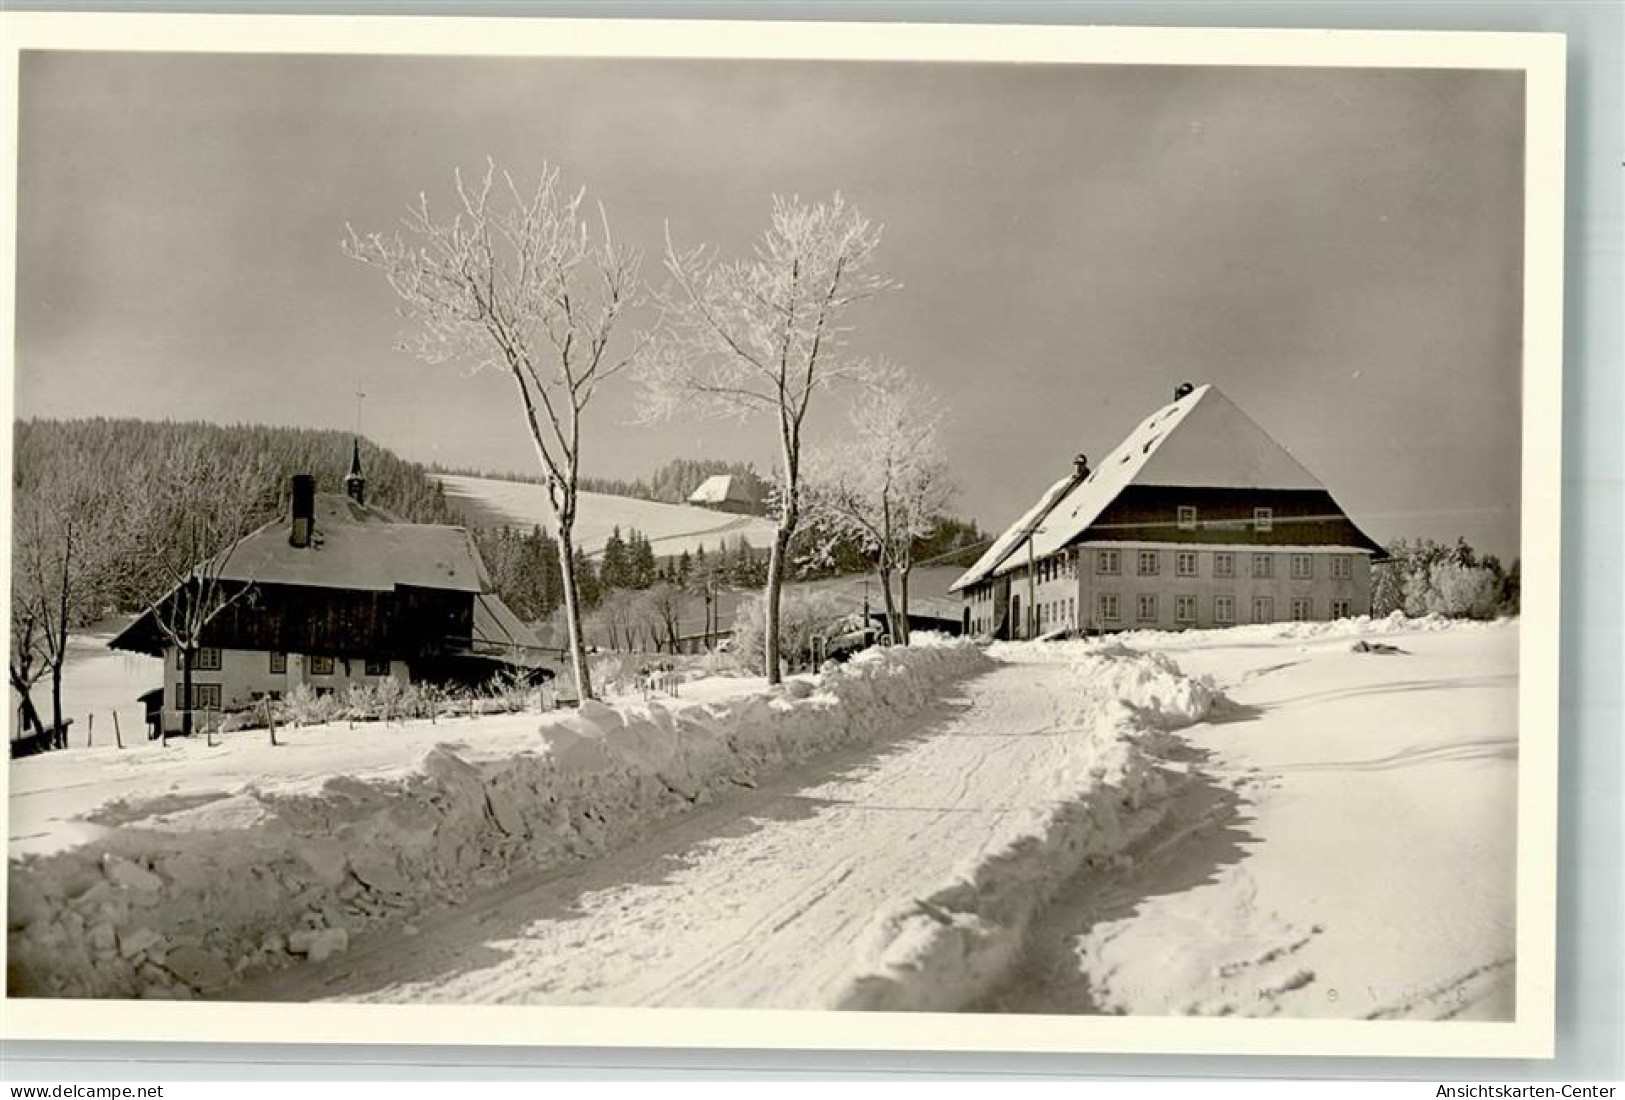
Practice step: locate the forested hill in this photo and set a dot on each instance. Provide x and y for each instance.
(114, 450)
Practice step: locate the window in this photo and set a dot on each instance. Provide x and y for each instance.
(208, 660)
(1224, 609)
(1106, 607)
(279, 664)
(1263, 609)
(1303, 567)
(1149, 563)
(1302, 609)
(1145, 609)
(1185, 563)
(1106, 562)
(1341, 609)
(1263, 566)
(1341, 567)
(1224, 564)
(1187, 518)
(203, 695)
(1263, 519)
(321, 666)
(377, 668)
(1184, 609)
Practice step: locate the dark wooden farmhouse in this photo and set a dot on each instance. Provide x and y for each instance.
(1197, 519)
(343, 593)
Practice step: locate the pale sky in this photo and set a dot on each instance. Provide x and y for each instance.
(1338, 250)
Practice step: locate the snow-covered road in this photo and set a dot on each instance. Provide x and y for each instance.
(765, 900)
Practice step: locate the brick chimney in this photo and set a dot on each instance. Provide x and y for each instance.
(302, 525)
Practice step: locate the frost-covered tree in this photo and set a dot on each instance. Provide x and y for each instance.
(521, 283)
(1462, 591)
(806, 615)
(886, 486)
(762, 336)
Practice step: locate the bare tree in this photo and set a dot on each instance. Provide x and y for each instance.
(184, 537)
(887, 485)
(60, 551)
(762, 336)
(520, 283)
(28, 660)
(662, 609)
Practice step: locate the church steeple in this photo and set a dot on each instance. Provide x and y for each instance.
(355, 486)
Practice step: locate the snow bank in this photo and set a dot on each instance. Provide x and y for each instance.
(946, 950)
(189, 893)
(1359, 626)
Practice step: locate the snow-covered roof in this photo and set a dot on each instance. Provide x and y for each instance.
(359, 546)
(1200, 440)
(498, 632)
(720, 488)
(1013, 537)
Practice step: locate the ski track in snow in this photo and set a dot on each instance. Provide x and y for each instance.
(768, 913)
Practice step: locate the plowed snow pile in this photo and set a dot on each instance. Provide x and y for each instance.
(943, 951)
(188, 892)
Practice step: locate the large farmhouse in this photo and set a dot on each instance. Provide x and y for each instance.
(338, 594)
(1197, 519)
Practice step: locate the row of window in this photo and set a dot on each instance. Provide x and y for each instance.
(209, 660)
(1147, 608)
(1187, 563)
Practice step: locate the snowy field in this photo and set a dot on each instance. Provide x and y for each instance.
(96, 681)
(1258, 821)
(670, 528)
(1345, 847)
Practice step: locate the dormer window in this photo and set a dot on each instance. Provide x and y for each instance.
(1263, 519)
(1187, 517)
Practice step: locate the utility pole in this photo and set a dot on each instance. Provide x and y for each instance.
(1032, 587)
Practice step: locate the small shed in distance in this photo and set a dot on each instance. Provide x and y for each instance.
(728, 493)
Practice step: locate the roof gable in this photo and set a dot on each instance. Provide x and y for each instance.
(1200, 440)
(1218, 445)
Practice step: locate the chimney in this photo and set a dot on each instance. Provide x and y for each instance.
(355, 486)
(303, 490)
(1080, 466)
(1183, 390)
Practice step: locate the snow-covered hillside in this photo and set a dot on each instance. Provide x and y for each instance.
(671, 528)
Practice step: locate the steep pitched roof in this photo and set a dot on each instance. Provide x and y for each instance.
(360, 546)
(720, 488)
(1200, 440)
